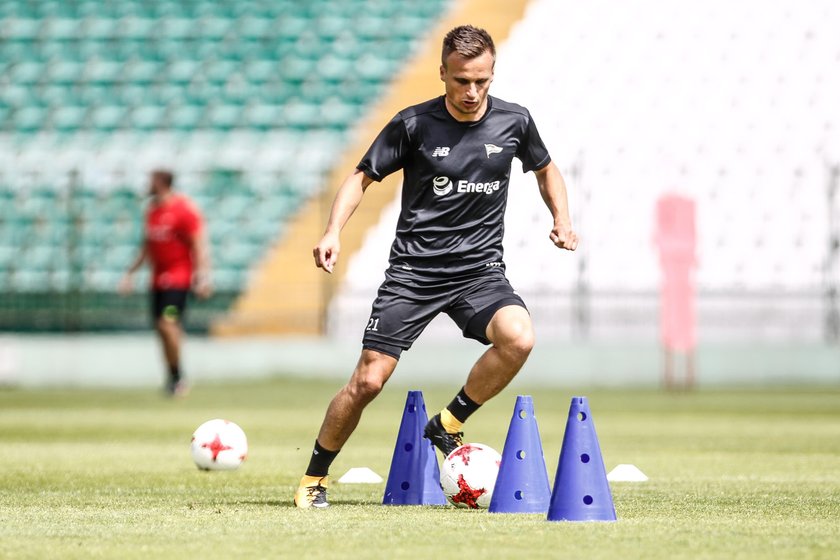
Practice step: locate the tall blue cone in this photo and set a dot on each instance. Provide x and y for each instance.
(414, 478)
(581, 491)
(522, 485)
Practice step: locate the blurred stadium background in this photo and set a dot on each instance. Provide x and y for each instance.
(261, 106)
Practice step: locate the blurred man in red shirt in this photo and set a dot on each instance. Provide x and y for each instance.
(175, 244)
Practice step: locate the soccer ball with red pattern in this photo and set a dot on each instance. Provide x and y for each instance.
(219, 445)
(468, 475)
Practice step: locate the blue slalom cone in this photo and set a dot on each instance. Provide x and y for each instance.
(522, 485)
(414, 478)
(581, 491)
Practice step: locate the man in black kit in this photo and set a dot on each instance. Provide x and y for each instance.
(456, 153)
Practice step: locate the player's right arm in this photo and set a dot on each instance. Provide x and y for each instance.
(127, 281)
(346, 201)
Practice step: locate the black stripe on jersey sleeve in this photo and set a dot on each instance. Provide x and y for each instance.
(388, 152)
(532, 151)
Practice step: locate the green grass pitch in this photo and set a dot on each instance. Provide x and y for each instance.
(107, 474)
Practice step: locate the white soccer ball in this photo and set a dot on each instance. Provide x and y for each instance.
(468, 475)
(219, 445)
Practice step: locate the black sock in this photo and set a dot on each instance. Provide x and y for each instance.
(175, 373)
(462, 406)
(319, 463)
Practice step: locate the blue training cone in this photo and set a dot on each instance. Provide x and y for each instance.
(522, 485)
(581, 491)
(414, 478)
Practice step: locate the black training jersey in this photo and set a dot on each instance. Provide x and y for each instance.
(455, 183)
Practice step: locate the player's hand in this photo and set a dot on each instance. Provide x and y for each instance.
(564, 237)
(326, 252)
(203, 286)
(126, 285)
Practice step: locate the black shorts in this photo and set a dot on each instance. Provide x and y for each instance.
(169, 304)
(403, 308)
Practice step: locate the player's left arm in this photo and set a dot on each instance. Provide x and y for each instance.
(553, 191)
(200, 247)
(200, 250)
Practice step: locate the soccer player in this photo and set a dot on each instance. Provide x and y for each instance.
(175, 244)
(456, 153)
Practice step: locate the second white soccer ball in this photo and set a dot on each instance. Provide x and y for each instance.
(219, 445)
(469, 474)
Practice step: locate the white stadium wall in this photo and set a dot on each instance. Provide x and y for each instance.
(732, 104)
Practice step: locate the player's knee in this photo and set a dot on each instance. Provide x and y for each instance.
(370, 376)
(516, 339)
(366, 386)
(168, 330)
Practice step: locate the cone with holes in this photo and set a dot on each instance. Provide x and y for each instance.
(414, 478)
(581, 491)
(522, 484)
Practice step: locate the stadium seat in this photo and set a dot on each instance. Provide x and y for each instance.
(100, 92)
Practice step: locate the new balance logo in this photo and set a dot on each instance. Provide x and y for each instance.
(441, 151)
(492, 149)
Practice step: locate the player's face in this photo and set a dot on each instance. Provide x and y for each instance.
(467, 82)
(157, 188)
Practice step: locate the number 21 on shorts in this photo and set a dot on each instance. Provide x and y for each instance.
(373, 324)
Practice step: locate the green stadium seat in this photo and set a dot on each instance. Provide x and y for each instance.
(108, 117)
(59, 28)
(214, 27)
(174, 27)
(65, 72)
(102, 71)
(166, 94)
(13, 95)
(148, 117)
(223, 117)
(263, 116)
(186, 117)
(21, 29)
(261, 70)
(68, 118)
(254, 27)
(291, 26)
(99, 28)
(135, 27)
(39, 257)
(28, 72)
(373, 68)
(301, 115)
(86, 74)
(141, 71)
(8, 256)
(29, 119)
(58, 94)
(27, 281)
(296, 69)
(228, 279)
(219, 71)
(133, 95)
(334, 68)
(182, 71)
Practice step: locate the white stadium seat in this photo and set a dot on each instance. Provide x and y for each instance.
(733, 104)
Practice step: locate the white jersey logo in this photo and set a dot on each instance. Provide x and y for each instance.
(492, 149)
(441, 151)
(442, 186)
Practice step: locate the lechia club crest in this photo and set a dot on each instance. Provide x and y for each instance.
(442, 186)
